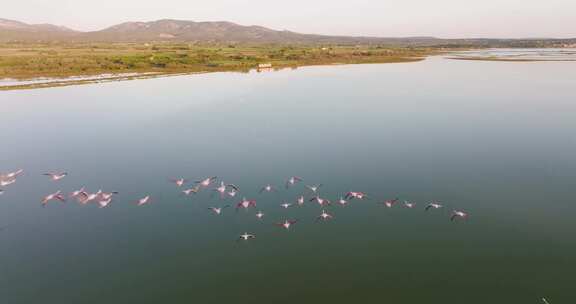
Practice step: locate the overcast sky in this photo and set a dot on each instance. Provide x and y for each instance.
(441, 18)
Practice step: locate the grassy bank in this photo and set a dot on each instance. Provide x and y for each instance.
(28, 61)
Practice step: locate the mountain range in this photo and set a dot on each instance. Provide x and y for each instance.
(216, 32)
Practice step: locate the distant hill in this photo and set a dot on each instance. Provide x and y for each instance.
(217, 32)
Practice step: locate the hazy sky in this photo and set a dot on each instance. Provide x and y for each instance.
(442, 18)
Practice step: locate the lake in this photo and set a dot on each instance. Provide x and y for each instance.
(494, 139)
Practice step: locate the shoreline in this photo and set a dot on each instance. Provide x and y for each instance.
(52, 82)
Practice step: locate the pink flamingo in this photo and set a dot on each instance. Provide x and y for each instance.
(54, 196)
(218, 211)
(56, 176)
(260, 215)
(207, 181)
(244, 203)
(246, 236)
(434, 205)
(459, 214)
(358, 195)
(292, 181)
(287, 223)
(143, 201)
(324, 216)
(321, 201)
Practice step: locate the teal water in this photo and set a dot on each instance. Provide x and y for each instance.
(495, 139)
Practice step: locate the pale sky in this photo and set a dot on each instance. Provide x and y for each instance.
(386, 18)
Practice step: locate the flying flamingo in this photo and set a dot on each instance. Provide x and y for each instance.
(314, 188)
(217, 211)
(408, 204)
(292, 181)
(390, 203)
(7, 182)
(246, 236)
(321, 201)
(194, 190)
(85, 197)
(433, 205)
(358, 195)
(106, 196)
(54, 196)
(244, 203)
(285, 205)
(179, 182)
(324, 216)
(300, 200)
(14, 174)
(342, 202)
(76, 193)
(287, 223)
(459, 214)
(207, 181)
(56, 176)
(260, 215)
(104, 202)
(267, 188)
(143, 201)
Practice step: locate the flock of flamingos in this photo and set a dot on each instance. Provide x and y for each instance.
(223, 190)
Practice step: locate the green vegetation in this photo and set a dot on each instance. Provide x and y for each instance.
(26, 61)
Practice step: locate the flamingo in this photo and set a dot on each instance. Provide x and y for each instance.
(179, 182)
(292, 181)
(324, 216)
(246, 236)
(218, 211)
(56, 176)
(267, 188)
(287, 223)
(408, 204)
(7, 182)
(88, 197)
(300, 200)
(342, 202)
(390, 203)
(14, 174)
(321, 201)
(54, 196)
(244, 203)
(285, 205)
(104, 202)
(143, 201)
(458, 214)
(77, 193)
(106, 196)
(207, 181)
(352, 195)
(194, 190)
(314, 188)
(260, 215)
(433, 205)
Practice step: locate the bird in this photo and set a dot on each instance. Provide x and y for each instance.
(287, 223)
(194, 190)
(342, 202)
(106, 196)
(300, 200)
(54, 196)
(314, 188)
(104, 202)
(458, 214)
(390, 203)
(321, 201)
(292, 181)
(259, 214)
(267, 188)
(179, 182)
(13, 174)
(216, 210)
(324, 216)
(7, 181)
(76, 193)
(223, 187)
(433, 205)
(56, 176)
(352, 195)
(246, 236)
(85, 197)
(408, 204)
(244, 203)
(207, 181)
(285, 205)
(143, 201)
(232, 193)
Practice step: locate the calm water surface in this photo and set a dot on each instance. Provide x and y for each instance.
(496, 139)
